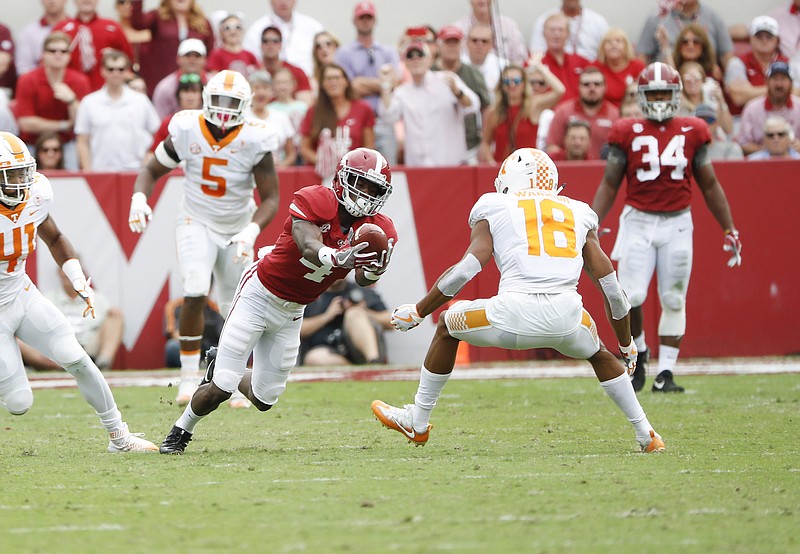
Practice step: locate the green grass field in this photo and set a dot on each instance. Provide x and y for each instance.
(534, 466)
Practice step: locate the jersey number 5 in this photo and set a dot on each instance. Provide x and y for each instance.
(218, 190)
(555, 229)
(672, 156)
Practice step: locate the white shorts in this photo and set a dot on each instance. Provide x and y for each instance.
(261, 323)
(201, 253)
(524, 321)
(649, 242)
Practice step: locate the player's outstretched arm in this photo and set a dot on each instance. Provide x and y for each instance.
(164, 161)
(610, 183)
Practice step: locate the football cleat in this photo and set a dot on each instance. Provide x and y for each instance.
(400, 419)
(665, 383)
(655, 444)
(176, 441)
(122, 440)
(637, 379)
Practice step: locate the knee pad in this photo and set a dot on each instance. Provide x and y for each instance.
(673, 301)
(19, 401)
(268, 394)
(673, 316)
(66, 351)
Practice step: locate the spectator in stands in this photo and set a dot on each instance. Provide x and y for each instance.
(139, 39)
(231, 54)
(335, 124)
(172, 23)
(586, 30)
(136, 83)
(212, 329)
(432, 107)
(745, 76)
(297, 28)
(630, 108)
(49, 152)
(693, 45)
(590, 106)
(191, 58)
(190, 97)
(325, 47)
(361, 59)
(778, 138)
(261, 84)
(577, 140)
(778, 101)
(344, 326)
(30, 39)
(283, 85)
(8, 69)
(617, 61)
(271, 41)
(450, 41)
(699, 89)
(719, 148)
(100, 336)
(565, 66)
(513, 120)
(114, 126)
(47, 98)
(480, 53)
(90, 35)
(786, 17)
(508, 42)
(660, 31)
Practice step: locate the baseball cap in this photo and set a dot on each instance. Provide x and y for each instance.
(705, 111)
(779, 67)
(764, 23)
(274, 29)
(192, 45)
(364, 8)
(450, 31)
(418, 47)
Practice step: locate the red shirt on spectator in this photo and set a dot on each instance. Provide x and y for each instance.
(569, 73)
(617, 81)
(220, 59)
(9, 79)
(358, 118)
(524, 135)
(104, 33)
(601, 124)
(35, 97)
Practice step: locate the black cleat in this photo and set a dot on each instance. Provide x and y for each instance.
(176, 441)
(637, 379)
(211, 358)
(665, 383)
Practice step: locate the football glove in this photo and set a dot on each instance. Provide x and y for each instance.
(405, 317)
(84, 289)
(629, 355)
(349, 257)
(379, 266)
(734, 246)
(140, 212)
(245, 241)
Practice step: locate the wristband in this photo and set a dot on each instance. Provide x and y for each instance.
(73, 270)
(326, 255)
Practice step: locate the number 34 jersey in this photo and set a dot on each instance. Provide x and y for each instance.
(18, 236)
(538, 239)
(659, 160)
(218, 187)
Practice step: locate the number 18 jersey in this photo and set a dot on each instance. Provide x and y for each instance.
(538, 239)
(659, 160)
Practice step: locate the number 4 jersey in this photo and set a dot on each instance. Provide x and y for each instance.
(659, 160)
(538, 239)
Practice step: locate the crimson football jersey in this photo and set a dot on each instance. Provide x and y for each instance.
(660, 156)
(285, 272)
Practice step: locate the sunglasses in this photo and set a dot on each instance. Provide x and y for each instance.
(50, 149)
(535, 82)
(691, 41)
(480, 40)
(57, 50)
(592, 83)
(232, 27)
(324, 44)
(779, 134)
(512, 81)
(115, 69)
(271, 41)
(414, 54)
(189, 78)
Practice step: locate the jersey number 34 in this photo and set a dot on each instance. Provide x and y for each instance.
(672, 156)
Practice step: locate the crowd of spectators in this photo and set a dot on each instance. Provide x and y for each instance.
(94, 90)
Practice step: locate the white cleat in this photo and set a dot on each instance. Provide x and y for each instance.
(122, 440)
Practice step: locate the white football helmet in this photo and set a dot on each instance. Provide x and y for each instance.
(527, 168)
(226, 97)
(17, 170)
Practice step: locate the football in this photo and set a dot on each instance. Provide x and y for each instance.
(374, 235)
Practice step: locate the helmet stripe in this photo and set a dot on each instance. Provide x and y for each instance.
(17, 148)
(230, 76)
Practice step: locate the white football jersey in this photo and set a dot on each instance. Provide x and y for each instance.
(538, 239)
(18, 236)
(218, 187)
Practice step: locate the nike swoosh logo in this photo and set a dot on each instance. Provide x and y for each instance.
(408, 319)
(406, 432)
(296, 318)
(26, 289)
(684, 129)
(33, 212)
(658, 384)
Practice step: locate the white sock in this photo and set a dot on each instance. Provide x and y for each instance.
(641, 344)
(190, 364)
(667, 357)
(188, 419)
(621, 392)
(111, 420)
(430, 387)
